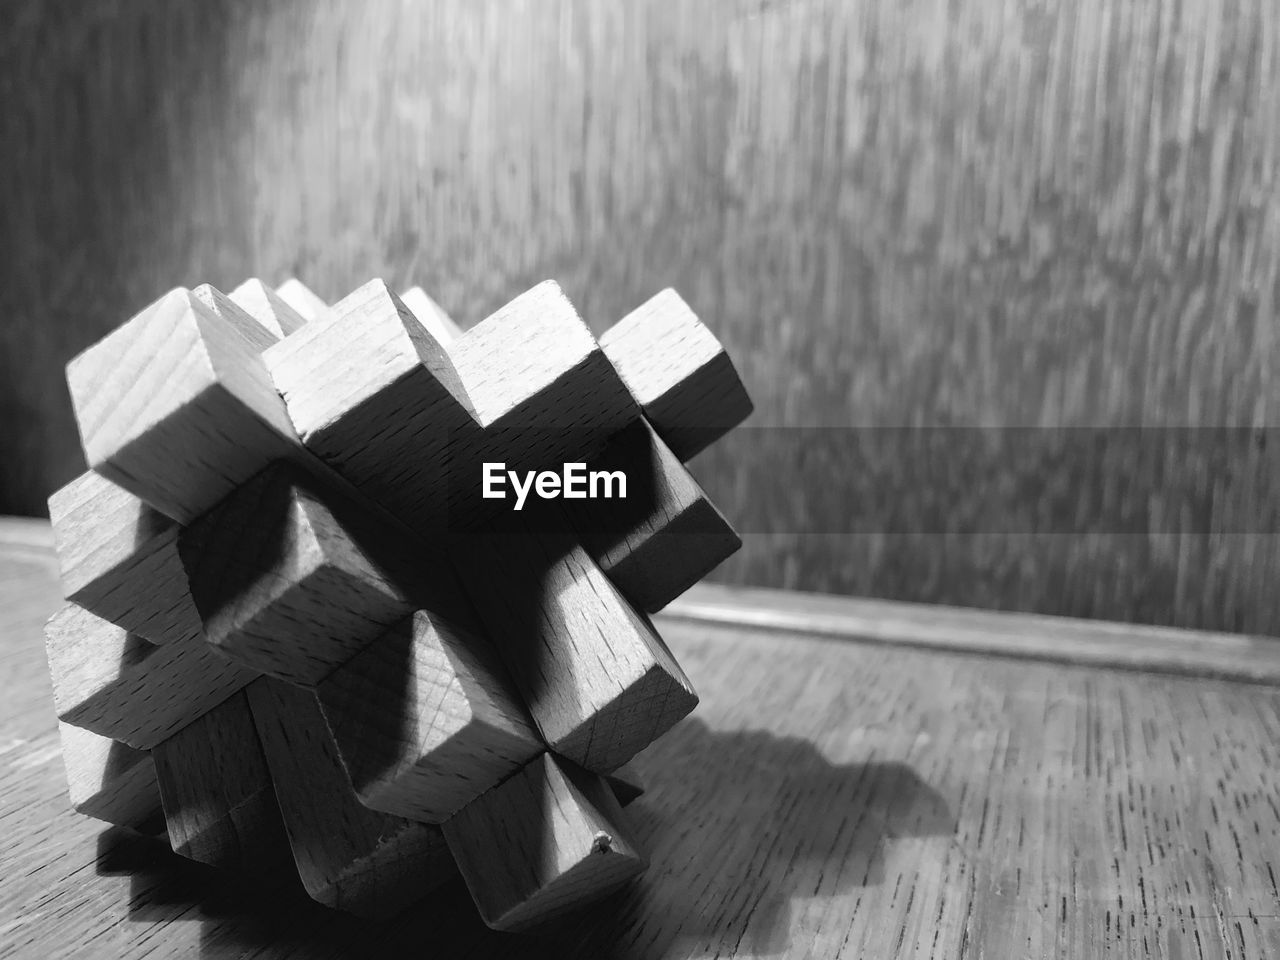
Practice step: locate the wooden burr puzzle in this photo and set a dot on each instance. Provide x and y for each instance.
(354, 593)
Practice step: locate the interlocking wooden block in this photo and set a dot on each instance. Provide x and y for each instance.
(666, 535)
(118, 685)
(215, 787)
(119, 559)
(347, 855)
(109, 780)
(430, 314)
(301, 299)
(598, 680)
(544, 842)
(268, 308)
(376, 397)
(678, 372)
(539, 386)
(354, 645)
(176, 406)
(282, 586)
(426, 720)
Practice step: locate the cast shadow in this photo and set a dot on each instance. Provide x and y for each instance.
(739, 827)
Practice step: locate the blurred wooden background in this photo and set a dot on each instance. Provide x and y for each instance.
(927, 214)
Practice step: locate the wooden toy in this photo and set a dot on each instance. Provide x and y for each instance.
(301, 634)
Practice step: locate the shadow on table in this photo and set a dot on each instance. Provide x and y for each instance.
(739, 825)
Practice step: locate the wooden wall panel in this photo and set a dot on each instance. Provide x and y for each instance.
(926, 214)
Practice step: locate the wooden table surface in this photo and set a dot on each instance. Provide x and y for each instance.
(829, 798)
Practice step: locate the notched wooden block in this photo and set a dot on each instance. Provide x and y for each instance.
(301, 299)
(431, 315)
(666, 535)
(540, 387)
(109, 780)
(377, 398)
(596, 677)
(546, 841)
(215, 788)
(268, 308)
(119, 559)
(425, 719)
(281, 584)
(678, 372)
(348, 857)
(118, 685)
(176, 405)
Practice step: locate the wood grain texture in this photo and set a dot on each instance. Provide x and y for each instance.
(282, 586)
(425, 719)
(666, 535)
(176, 406)
(548, 841)
(948, 213)
(922, 804)
(120, 686)
(678, 372)
(596, 677)
(348, 857)
(118, 558)
(215, 787)
(108, 780)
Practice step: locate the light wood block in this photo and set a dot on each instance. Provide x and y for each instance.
(282, 585)
(377, 398)
(118, 685)
(109, 780)
(666, 535)
(301, 299)
(268, 308)
(177, 407)
(431, 315)
(232, 314)
(118, 558)
(348, 857)
(219, 804)
(594, 674)
(426, 720)
(678, 372)
(543, 843)
(541, 388)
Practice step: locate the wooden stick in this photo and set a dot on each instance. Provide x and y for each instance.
(268, 308)
(348, 857)
(678, 372)
(118, 685)
(431, 315)
(219, 804)
(299, 297)
(282, 586)
(176, 406)
(109, 780)
(546, 841)
(666, 535)
(596, 677)
(119, 559)
(425, 719)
